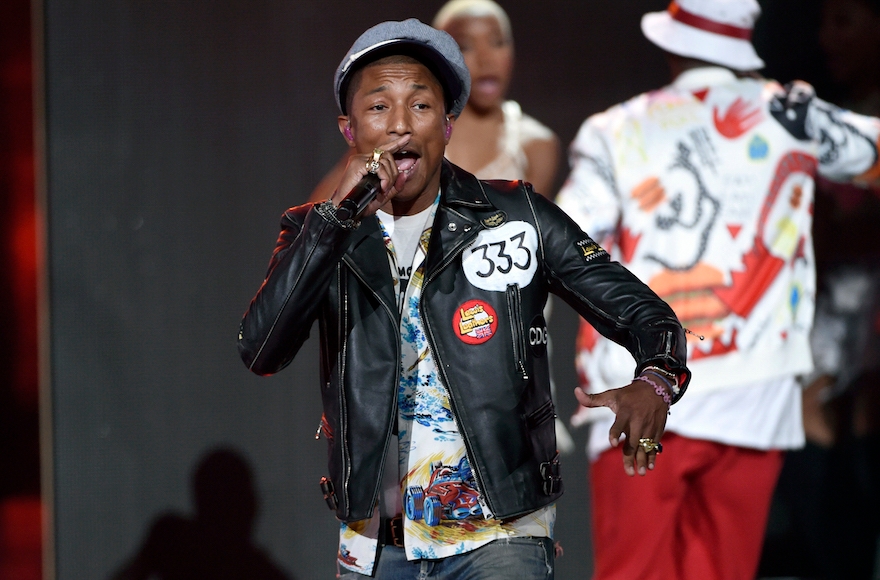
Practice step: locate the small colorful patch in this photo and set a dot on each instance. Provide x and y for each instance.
(495, 220)
(538, 336)
(475, 322)
(794, 298)
(590, 250)
(758, 148)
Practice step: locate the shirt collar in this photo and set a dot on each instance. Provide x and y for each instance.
(706, 76)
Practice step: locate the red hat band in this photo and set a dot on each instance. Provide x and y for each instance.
(697, 21)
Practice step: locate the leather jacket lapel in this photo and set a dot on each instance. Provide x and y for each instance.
(455, 224)
(451, 232)
(368, 259)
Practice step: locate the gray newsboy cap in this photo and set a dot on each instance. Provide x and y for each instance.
(433, 48)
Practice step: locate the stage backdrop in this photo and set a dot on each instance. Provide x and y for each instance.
(177, 133)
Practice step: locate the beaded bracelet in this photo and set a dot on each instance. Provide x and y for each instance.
(669, 378)
(673, 388)
(658, 388)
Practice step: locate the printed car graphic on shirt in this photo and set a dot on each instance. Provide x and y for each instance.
(345, 556)
(450, 495)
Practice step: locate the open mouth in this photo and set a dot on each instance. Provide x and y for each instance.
(406, 161)
(487, 85)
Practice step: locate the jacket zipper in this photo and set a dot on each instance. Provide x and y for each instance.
(343, 418)
(326, 367)
(514, 307)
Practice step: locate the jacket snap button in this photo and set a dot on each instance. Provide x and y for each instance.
(452, 227)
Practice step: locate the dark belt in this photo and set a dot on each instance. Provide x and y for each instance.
(391, 532)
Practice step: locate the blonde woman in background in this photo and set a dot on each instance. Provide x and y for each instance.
(493, 138)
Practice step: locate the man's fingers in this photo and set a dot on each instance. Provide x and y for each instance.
(396, 145)
(635, 459)
(636, 431)
(592, 399)
(398, 183)
(652, 457)
(646, 453)
(392, 179)
(388, 173)
(637, 415)
(641, 460)
(629, 454)
(617, 429)
(361, 164)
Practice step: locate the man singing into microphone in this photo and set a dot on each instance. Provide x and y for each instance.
(437, 407)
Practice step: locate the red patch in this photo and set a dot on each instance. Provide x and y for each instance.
(701, 94)
(734, 230)
(718, 349)
(801, 251)
(739, 118)
(587, 336)
(474, 322)
(761, 269)
(628, 244)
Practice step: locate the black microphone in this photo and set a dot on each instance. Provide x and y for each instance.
(358, 198)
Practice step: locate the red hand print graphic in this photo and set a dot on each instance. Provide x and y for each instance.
(738, 119)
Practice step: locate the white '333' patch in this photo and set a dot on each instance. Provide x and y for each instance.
(502, 256)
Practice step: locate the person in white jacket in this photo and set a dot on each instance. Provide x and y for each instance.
(704, 189)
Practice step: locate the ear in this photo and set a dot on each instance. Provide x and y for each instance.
(345, 128)
(450, 121)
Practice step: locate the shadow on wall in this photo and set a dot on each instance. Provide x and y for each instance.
(216, 543)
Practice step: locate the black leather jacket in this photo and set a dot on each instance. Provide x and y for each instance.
(498, 386)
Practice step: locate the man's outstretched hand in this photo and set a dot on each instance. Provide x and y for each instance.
(641, 413)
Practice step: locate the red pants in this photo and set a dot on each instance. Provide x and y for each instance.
(699, 515)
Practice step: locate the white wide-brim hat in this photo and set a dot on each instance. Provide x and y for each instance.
(711, 30)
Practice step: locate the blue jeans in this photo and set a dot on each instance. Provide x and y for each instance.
(506, 559)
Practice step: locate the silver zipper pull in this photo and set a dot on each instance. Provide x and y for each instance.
(689, 331)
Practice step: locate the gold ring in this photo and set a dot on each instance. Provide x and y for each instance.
(650, 445)
(373, 163)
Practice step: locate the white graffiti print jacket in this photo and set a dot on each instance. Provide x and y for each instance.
(704, 190)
